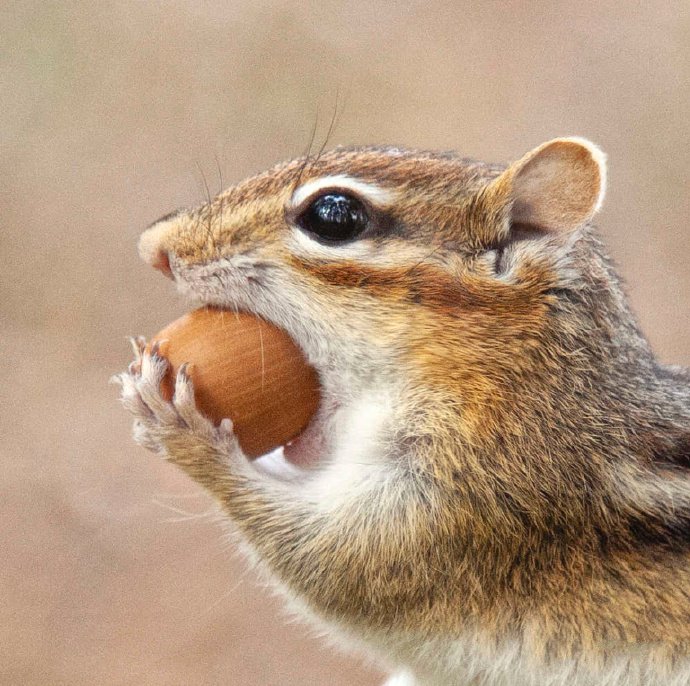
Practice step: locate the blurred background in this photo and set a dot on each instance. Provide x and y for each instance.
(115, 568)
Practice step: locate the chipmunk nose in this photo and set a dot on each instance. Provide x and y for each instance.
(153, 249)
(161, 262)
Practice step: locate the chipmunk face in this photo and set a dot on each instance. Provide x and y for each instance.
(328, 243)
(364, 255)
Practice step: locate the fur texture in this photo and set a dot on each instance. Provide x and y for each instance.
(504, 495)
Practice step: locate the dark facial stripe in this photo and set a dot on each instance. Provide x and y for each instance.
(427, 286)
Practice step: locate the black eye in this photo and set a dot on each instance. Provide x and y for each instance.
(335, 217)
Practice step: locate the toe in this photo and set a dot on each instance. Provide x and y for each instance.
(131, 399)
(185, 403)
(138, 344)
(153, 371)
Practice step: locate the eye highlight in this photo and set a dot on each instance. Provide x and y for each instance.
(334, 217)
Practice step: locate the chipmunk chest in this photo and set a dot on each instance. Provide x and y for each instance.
(365, 420)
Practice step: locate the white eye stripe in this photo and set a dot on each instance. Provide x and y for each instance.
(365, 252)
(367, 191)
(304, 245)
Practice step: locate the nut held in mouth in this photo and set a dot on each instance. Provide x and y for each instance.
(246, 369)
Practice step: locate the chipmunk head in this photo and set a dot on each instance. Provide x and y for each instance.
(349, 250)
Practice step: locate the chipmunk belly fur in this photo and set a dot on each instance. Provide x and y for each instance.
(503, 494)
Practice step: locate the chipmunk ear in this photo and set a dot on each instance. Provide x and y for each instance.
(558, 186)
(555, 188)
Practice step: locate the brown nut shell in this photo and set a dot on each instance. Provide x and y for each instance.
(246, 369)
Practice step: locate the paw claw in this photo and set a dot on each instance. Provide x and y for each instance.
(184, 386)
(153, 366)
(138, 344)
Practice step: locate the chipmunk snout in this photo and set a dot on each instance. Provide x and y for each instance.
(153, 251)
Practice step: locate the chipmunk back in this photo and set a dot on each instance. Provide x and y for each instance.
(496, 487)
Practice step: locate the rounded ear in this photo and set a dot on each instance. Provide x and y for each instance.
(558, 186)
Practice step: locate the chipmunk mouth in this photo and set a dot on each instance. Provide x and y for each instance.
(305, 453)
(226, 288)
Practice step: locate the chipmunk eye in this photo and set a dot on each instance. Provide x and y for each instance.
(335, 217)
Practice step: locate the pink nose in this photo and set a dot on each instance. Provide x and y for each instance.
(161, 262)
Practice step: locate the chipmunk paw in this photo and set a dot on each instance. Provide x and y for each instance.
(173, 428)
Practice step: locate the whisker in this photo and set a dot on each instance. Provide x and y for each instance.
(184, 516)
(307, 153)
(220, 173)
(220, 196)
(224, 596)
(209, 230)
(331, 126)
(423, 260)
(203, 176)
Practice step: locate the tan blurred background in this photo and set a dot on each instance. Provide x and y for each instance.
(115, 569)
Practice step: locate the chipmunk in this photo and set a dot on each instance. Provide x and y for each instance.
(498, 484)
